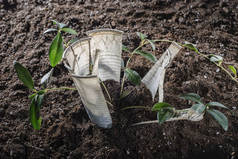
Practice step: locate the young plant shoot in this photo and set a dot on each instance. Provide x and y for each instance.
(129, 73)
(55, 56)
(166, 112)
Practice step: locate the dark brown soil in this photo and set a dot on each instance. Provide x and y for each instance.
(67, 131)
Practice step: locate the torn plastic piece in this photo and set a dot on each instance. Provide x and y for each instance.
(78, 62)
(77, 56)
(93, 100)
(155, 77)
(183, 114)
(46, 79)
(107, 43)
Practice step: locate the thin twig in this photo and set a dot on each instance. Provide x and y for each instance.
(105, 88)
(60, 88)
(136, 107)
(128, 61)
(110, 103)
(205, 56)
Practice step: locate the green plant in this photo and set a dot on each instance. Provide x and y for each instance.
(55, 56)
(135, 78)
(209, 108)
(230, 70)
(166, 112)
(129, 73)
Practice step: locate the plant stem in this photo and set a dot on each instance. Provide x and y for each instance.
(227, 72)
(110, 103)
(105, 88)
(143, 43)
(136, 107)
(60, 88)
(220, 66)
(205, 56)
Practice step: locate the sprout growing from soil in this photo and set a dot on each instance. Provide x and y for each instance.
(166, 112)
(230, 70)
(131, 74)
(55, 56)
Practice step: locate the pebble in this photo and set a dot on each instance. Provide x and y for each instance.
(2, 111)
(113, 24)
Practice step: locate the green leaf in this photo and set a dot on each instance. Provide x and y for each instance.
(39, 100)
(199, 108)
(46, 78)
(40, 92)
(219, 117)
(49, 30)
(32, 96)
(35, 114)
(24, 75)
(124, 48)
(69, 30)
(191, 96)
(233, 70)
(132, 76)
(164, 114)
(151, 43)
(216, 104)
(147, 55)
(215, 58)
(160, 105)
(56, 50)
(191, 47)
(60, 25)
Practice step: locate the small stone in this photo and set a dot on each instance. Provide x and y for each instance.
(226, 10)
(181, 20)
(2, 112)
(113, 24)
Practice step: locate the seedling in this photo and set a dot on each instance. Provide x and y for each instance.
(131, 74)
(201, 108)
(166, 112)
(230, 70)
(55, 56)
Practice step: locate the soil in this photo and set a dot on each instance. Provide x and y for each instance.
(66, 129)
